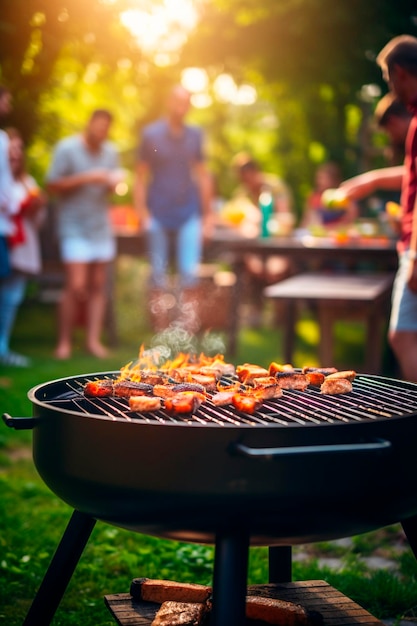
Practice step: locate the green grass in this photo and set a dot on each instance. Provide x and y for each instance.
(32, 519)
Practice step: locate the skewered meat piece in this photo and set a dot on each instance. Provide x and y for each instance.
(126, 388)
(180, 614)
(155, 590)
(346, 374)
(99, 388)
(184, 402)
(144, 404)
(334, 386)
(292, 380)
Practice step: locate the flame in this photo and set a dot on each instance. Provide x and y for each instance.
(152, 359)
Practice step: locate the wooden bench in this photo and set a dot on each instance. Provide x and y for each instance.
(363, 296)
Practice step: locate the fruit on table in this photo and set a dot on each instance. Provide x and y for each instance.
(334, 199)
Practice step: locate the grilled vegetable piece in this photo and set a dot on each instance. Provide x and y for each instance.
(247, 403)
(126, 388)
(184, 402)
(272, 611)
(248, 372)
(292, 380)
(154, 590)
(180, 614)
(99, 388)
(267, 387)
(334, 386)
(346, 374)
(144, 404)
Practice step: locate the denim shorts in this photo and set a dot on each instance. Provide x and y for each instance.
(404, 301)
(78, 249)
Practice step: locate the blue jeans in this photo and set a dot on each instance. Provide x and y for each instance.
(12, 291)
(187, 247)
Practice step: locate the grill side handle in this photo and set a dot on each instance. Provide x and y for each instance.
(19, 423)
(240, 449)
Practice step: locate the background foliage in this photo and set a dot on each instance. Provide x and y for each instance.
(311, 62)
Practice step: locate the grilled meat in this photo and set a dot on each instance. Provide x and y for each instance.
(272, 611)
(144, 404)
(155, 590)
(334, 386)
(180, 614)
(267, 387)
(292, 380)
(346, 374)
(247, 403)
(184, 402)
(99, 388)
(323, 370)
(125, 388)
(315, 378)
(248, 372)
(222, 398)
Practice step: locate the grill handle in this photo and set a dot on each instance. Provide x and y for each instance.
(379, 445)
(19, 423)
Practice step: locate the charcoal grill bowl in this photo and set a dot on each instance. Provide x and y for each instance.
(186, 480)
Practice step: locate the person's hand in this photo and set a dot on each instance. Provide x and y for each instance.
(412, 276)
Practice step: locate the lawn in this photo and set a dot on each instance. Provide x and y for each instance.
(32, 519)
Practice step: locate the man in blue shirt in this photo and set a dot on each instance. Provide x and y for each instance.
(172, 192)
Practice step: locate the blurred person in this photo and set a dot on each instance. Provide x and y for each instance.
(316, 214)
(398, 62)
(7, 206)
(173, 193)
(83, 172)
(25, 254)
(393, 117)
(248, 197)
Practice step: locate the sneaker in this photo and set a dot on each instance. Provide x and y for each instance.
(13, 359)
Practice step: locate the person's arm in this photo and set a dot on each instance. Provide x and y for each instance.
(71, 182)
(387, 178)
(140, 186)
(205, 186)
(412, 276)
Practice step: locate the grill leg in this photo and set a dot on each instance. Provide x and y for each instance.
(410, 528)
(280, 564)
(60, 570)
(230, 578)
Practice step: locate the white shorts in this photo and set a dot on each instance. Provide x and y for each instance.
(83, 250)
(404, 301)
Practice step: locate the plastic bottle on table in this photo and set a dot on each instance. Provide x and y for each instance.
(266, 206)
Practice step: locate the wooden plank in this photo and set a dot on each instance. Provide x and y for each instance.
(317, 595)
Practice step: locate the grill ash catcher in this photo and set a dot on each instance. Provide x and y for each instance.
(305, 467)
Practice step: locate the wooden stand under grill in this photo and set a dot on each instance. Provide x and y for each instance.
(317, 595)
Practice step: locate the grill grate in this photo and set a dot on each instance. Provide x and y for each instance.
(373, 398)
